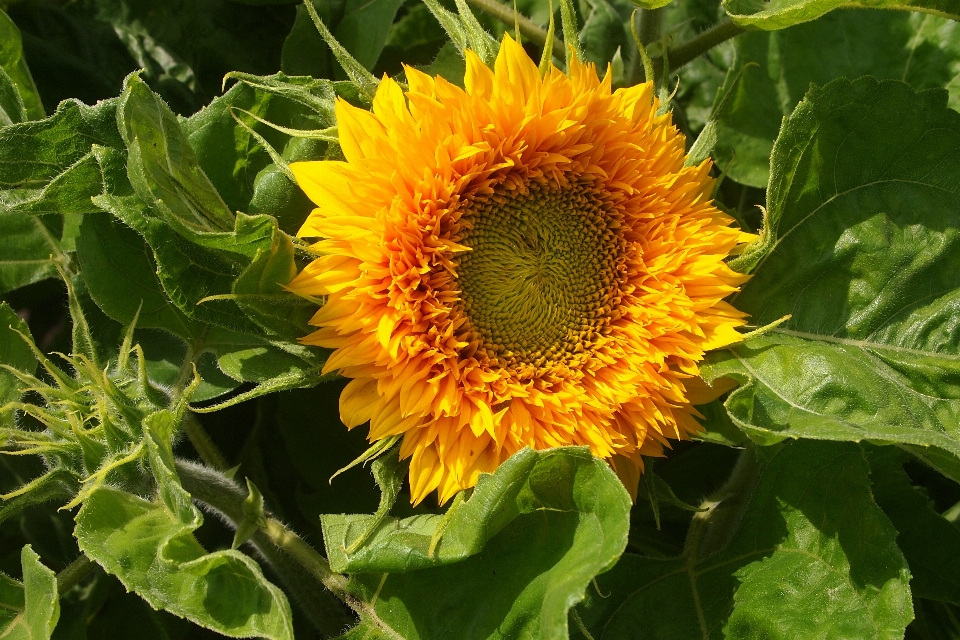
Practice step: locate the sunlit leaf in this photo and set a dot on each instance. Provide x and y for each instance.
(150, 547)
(773, 14)
(861, 249)
(921, 49)
(29, 611)
(508, 561)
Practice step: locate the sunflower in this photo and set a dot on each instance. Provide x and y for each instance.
(525, 262)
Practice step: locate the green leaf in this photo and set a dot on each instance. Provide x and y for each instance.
(121, 275)
(304, 51)
(238, 165)
(11, 105)
(29, 611)
(812, 556)
(222, 269)
(26, 248)
(45, 168)
(770, 15)
(518, 553)
(364, 28)
(34, 153)
(603, 33)
(248, 358)
(13, 68)
(921, 49)
(163, 167)
(66, 194)
(930, 543)
(150, 547)
(860, 248)
(190, 272)
(16, 353)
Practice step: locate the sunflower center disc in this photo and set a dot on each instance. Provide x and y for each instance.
(541, 279)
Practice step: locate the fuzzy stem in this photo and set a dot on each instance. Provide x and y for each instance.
(720, 517)
(697, 46)
(651, 25)
(225, 498)
(74, 573)
(203, 443)
(278, 546)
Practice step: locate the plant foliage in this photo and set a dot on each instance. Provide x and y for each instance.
(169, 445)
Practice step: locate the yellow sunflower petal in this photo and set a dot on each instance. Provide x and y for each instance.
(523, 262)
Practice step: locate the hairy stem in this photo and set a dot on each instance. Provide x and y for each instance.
(713, 528)
(700, 44)
(75, 573)
(651, 26)
(203, 443)
(528, 27)
(224, 497)
(291, 558)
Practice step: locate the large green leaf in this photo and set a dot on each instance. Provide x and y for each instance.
(150, 547)
(509, 561)
(14, 70)
(34, 153)
(812, 556)
(930, 543)
(29, 611)
(921, 49)
(217, 267)
(187, 278)
(163, 167)
(121, 275)
(862, 249)
(780, 14)
(45, 168)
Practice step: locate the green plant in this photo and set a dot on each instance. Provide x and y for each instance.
(171, 445)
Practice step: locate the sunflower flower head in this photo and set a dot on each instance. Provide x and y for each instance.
(525, 262)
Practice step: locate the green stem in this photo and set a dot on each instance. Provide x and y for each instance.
(713, 528)
(203, 443)
(278, 545)
(695, 47)
(528, 27)
(651, 25)
(75, 573)
(225, 498)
